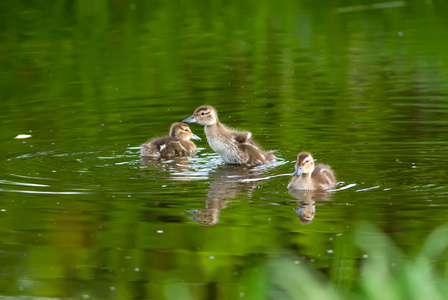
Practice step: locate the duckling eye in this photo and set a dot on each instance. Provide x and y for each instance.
(186, 129)
(202, 113)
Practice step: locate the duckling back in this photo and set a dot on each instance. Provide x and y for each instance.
(252, 155)
(237, 147)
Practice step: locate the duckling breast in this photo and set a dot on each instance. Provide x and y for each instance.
(227, 151)
(301, 183)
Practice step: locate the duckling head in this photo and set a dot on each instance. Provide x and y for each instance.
(305, 213)
(304, 164)
(183, 132)
(204, 115)
(205, 216)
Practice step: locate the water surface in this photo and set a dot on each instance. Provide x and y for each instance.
(362, 87)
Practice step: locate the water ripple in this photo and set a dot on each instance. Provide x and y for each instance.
(22, 183)
(46, 192)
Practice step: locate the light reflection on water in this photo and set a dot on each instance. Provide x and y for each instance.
(205, 166)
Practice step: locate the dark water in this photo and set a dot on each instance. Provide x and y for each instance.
(362, 86)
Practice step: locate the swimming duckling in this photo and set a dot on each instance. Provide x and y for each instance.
(310, 177)
(234, 147)
(176, 144)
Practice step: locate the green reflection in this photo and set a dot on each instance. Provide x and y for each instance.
(360, 84)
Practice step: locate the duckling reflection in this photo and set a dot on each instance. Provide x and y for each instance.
(306, 209)
(179, 165)
(210, 214)
(225, 184)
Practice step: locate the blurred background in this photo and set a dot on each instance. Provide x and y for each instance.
(361, 84)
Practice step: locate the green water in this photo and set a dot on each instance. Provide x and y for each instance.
(362, 86)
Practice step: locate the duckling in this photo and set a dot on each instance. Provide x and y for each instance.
(234, 147)
(310, 177)
(176, 144)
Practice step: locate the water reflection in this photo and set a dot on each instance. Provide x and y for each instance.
(210, 214)
(183, 168)
(225, 184)
(306, 208)
(178, 164)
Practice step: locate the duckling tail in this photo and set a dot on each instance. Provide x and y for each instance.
(270, 155)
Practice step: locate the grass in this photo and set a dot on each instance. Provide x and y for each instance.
(385, 274)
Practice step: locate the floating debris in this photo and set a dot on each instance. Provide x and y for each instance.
(23, 136)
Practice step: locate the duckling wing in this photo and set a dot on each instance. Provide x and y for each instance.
(251, 154)
(242, 136)
(173, 148)
(161, 141)
(149, 150)
(324, 176)
(153, 147)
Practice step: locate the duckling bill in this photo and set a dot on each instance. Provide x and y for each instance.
(307, 176)
(178, 143)
(234, 147)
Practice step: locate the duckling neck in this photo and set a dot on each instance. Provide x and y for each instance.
(306, 178)
(215, 129)
(306, 181)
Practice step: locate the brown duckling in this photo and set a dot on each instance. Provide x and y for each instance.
(176, 144)
(310, 177)
(234, 147)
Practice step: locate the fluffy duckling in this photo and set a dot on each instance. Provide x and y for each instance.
(176, 144)
(310, 177)
(234, 147)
